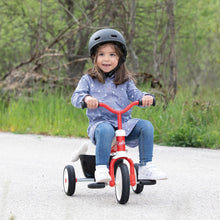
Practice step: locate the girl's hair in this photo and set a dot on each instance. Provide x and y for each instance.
(121, 75)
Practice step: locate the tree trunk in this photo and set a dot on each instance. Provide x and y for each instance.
(159, 50)
(156, 56)
(172, 57)
(131, 34)
(73, 55)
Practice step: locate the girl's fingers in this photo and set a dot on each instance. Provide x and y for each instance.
(147, 101)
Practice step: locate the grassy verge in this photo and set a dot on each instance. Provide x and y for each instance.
(186, 121)
(51, 114)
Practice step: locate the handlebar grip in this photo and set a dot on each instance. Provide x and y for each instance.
(140, 102)
(83, 105)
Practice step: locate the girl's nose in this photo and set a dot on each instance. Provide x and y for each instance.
(106, 57)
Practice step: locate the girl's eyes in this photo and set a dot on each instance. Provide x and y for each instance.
(112, 54)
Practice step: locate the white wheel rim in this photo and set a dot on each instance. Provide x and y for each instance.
(66, 180)
(118, 183)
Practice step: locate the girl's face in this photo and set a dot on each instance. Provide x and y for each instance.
(107, 58)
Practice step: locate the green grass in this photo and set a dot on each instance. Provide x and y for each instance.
(50, 114)
(186, 121)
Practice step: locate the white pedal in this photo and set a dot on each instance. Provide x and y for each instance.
(82, 150)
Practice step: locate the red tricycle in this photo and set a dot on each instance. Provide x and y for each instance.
(121, 178)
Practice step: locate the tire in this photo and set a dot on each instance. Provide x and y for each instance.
(69, 180)
(116, 165)
(138, 188)
(122, 183)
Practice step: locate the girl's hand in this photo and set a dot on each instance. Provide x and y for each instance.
(91, 102)
(147, 100)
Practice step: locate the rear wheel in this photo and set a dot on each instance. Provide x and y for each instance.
(122, 183)
(138, 188)
(69, 180)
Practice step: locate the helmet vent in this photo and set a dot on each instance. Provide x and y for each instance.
(113, 35)
(97, 38)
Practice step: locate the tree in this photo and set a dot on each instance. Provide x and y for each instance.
(95, 15)
(51, 37)
(161, 36)
(172, 56)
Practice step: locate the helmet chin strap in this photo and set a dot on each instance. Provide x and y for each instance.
(111, 73)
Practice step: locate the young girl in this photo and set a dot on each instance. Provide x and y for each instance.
(110, 82)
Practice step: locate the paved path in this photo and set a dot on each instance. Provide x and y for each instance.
(31, 184)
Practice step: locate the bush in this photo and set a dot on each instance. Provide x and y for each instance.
(186, 121)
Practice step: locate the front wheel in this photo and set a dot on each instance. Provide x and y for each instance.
(69, 180)
(122, 183)
(138, 188)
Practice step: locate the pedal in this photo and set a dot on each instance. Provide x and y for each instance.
(96, 185)
(147, 182)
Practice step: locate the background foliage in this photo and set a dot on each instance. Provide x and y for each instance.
(50, 38)
(187, 121)
(29, 26)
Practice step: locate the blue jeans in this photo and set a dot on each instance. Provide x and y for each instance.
(104, 134)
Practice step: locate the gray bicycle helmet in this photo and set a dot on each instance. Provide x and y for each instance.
(104, 36)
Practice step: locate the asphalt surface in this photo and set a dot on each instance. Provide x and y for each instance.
(31, 188)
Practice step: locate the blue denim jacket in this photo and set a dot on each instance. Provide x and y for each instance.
(118, 97)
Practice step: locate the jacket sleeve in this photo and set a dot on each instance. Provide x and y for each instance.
(81, 91)
(134, 93)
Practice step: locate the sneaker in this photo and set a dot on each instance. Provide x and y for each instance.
(150, 172)
(102, 174)
(81, 150)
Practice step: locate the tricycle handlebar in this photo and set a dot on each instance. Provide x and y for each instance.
(139, 102)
